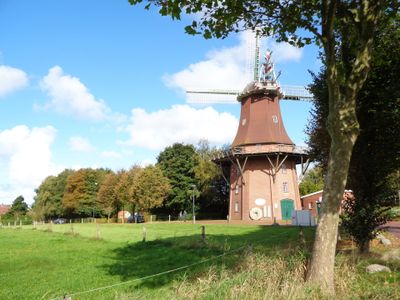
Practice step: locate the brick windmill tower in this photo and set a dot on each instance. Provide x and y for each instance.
(261, 162)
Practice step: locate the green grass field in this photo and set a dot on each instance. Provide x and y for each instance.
(38, 264)
(50, 262)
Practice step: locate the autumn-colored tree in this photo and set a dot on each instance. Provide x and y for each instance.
(81, 192)
(149, 189)
(123, 186)
(107, 199)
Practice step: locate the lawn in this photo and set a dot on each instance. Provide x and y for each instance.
(50, 262)
(39, 264)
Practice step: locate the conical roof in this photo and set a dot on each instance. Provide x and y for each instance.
(260, 116)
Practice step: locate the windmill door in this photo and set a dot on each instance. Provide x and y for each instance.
(287, 208)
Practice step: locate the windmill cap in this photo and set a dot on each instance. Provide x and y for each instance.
(261, 87)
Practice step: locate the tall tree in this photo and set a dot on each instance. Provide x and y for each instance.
(18, 208)
(149, 188)
(123, 186)
(345, 31)
(177, 163)
(81, 191)
(49, 195)
(375, 157)
(107, 199)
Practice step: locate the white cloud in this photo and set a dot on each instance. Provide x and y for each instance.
(283, 52)
(27, 160)
(229, 68)
(80, 144)
(180, 123)
(111, 154)
(222, 69)
(11, 79)
(70, 96)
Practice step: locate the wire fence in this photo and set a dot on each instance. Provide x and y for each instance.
(69, 296)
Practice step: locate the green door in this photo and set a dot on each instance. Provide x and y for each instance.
(287, 208)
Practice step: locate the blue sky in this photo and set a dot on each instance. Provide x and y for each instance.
(100, 84)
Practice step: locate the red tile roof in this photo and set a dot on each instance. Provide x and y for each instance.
(4, 209)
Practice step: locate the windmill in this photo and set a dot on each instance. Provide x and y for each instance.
(261, 162)
(254, 72)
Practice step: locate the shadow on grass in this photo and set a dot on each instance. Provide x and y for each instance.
(142, 259)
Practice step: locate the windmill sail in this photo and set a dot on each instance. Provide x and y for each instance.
(254, 73)
(290, 92)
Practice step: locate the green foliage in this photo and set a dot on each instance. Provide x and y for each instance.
(312, 181)
(375, 159)
(81, 191)
(49, 195)
(213, 190)
(219, 18)
(18, 208)
(177, 163)
(150, 188)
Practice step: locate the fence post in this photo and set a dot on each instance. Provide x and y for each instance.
(144, 234)
(82, 220)
(203, 233)
(97, 231)
(151, 218)
(169, 218)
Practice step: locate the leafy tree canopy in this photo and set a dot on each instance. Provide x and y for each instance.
(18, 208)
(150, 188)
(177, 163)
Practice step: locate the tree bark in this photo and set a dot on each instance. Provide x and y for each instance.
(343, 128)
(363, 247)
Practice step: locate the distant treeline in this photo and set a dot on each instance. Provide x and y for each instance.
(167, 187)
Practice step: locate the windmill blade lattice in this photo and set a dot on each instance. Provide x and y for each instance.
(290, 92)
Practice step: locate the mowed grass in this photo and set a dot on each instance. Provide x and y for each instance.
(44, 264)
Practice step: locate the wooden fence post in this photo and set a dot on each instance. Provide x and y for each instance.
(203, 233)
(144, 234)
(169, 218)
(97, 231)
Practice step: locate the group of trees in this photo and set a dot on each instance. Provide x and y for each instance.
(163, 188)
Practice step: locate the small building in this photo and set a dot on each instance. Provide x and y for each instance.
(4, 209)
(313, 201)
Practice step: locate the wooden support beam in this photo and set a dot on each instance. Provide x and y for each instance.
(241, 168)
(223, 175)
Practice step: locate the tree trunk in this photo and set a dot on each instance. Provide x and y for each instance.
(363, 247)
(343, 130)
(321, 269)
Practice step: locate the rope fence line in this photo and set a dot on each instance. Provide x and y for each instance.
(150, 276)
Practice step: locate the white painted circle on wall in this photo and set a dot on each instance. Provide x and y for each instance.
(256, 213)
(260, 201)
